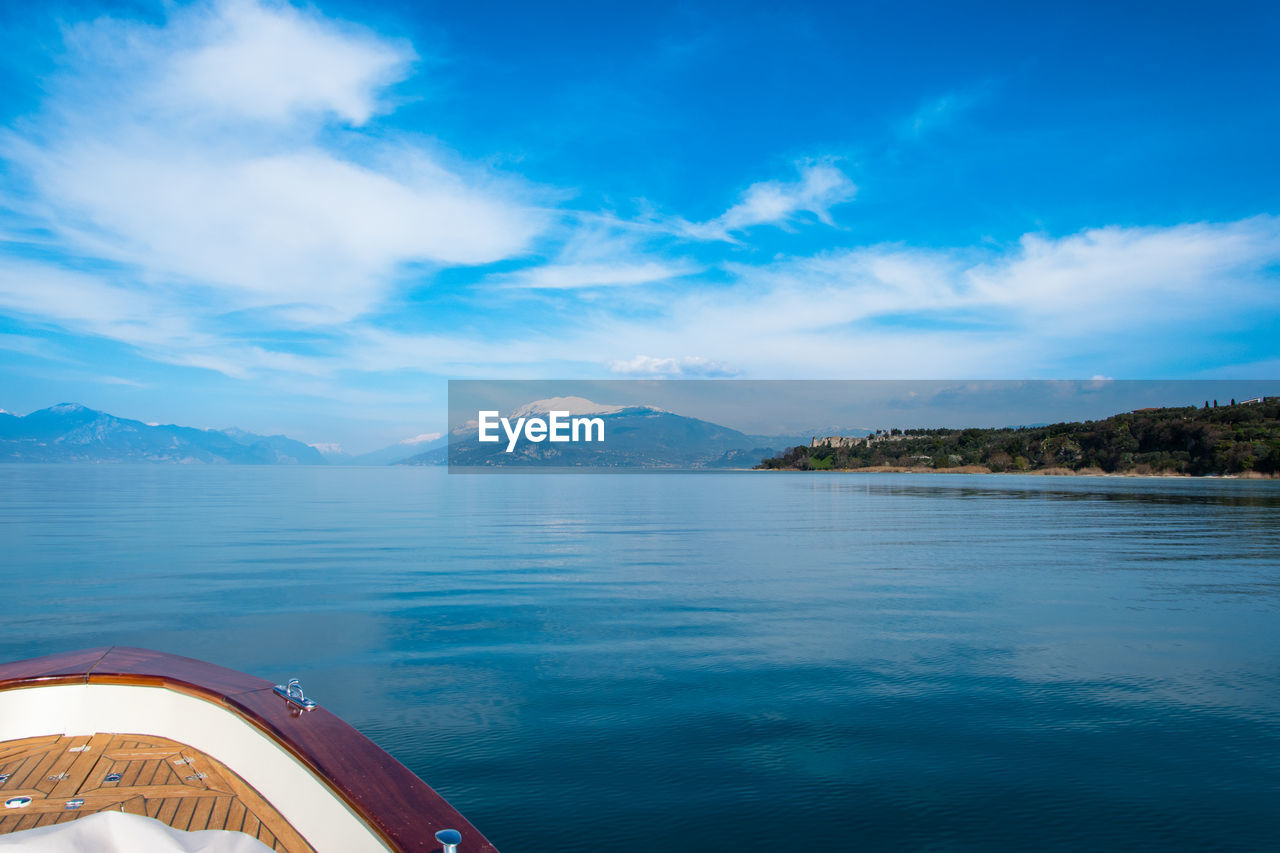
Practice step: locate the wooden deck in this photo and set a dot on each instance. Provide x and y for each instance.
(68, 777)
(400, 807)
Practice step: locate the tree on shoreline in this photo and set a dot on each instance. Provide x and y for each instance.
(1232, 439)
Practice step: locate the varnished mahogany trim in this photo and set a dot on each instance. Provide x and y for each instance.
(398, 805)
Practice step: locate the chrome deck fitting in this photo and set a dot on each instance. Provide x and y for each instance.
(292, 693)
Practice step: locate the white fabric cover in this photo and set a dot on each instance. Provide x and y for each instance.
(120, 832)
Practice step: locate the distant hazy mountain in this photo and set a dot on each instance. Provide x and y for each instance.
(288, 451)
(74, 433)
(852, 432)
(635, 437)
(400, 451)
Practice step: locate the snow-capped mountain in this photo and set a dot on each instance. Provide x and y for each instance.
(635, 437)
(572, 405)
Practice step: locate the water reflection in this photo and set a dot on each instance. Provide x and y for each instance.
(1151, 490)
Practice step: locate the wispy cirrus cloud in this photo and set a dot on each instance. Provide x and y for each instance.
(820, 187)
(894, 311)
(942, 111)
(616, 274)
(601, 252)
(35, 347)
(1038, 302)
(161, 325)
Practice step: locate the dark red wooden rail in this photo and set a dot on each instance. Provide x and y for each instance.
(399, 806)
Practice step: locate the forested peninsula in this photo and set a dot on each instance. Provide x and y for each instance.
(1240, 439)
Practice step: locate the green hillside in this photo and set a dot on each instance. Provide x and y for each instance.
(1229, 439)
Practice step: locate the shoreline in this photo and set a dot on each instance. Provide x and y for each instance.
(1042, 472)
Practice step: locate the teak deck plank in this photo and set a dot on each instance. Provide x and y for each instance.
(168, 808)
(36, 767)
(402, 809)
(281, 830)
(140, 753)
(27, 822)
(87, 753)
(12, 750)
(159, 778)
(218, 816)
(182, 817)
(134, 770)
(200, 814)
(235, 818)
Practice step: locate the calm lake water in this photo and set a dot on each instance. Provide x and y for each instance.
(716, 662)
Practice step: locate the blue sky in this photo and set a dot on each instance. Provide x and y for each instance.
(304, 219)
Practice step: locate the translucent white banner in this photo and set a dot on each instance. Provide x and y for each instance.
(583, 425)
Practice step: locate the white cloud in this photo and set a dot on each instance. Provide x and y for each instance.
(897, 312)
(687, 366)
(569, 276)
(421, 439)
(1097, 280)
(296, 229)
(601, 253)
(275, 62)
(203, 155)
(156, 325)
(32, 346)
(88, 303)
(821, 186)
(1109, 278)
(880, 311)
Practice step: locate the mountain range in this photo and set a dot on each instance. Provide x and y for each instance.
(638, 437)
(73, 433)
